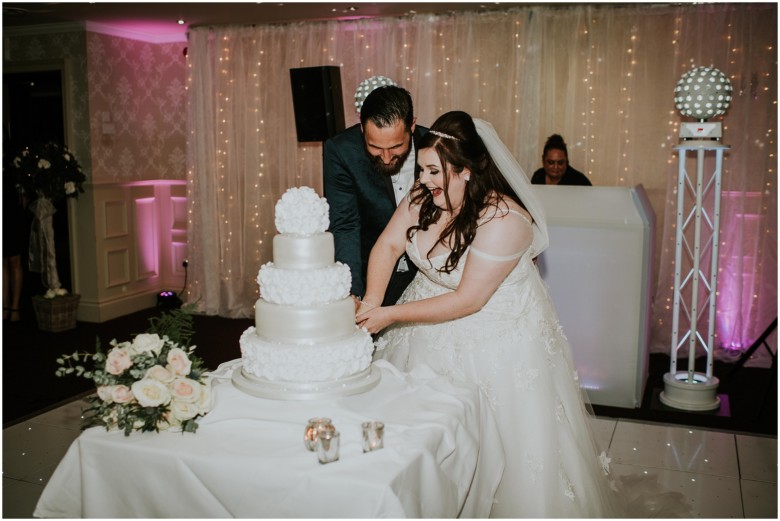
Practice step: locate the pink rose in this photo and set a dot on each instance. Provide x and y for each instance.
(178, 362)
(122, 394)
(185, 390)
(118, 361)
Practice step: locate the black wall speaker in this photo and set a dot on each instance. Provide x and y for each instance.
(319, 110)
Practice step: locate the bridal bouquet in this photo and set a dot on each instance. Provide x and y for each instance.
(151, 383)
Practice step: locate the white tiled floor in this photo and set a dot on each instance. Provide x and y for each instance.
(721, 474)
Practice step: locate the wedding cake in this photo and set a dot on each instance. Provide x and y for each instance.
(304, 343)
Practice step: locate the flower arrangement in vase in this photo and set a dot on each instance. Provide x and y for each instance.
(45, 174)
(152, 383)
(49, 170)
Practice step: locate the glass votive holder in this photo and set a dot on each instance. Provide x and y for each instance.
(313, 428)
(328, 446)
(373, 436)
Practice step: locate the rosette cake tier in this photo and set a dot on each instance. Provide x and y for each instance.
(304, 344)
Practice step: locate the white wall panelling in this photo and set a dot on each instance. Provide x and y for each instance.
(141, 242)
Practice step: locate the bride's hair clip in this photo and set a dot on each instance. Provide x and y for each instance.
(442, 134)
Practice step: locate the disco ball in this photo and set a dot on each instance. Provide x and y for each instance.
(366, 86)
(703, 93)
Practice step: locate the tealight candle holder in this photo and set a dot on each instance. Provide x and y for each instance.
(373, 436)
(313, 427)
(328, 442)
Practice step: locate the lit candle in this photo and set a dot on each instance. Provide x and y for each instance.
(373, 436)
(328, 440)
(313, 427)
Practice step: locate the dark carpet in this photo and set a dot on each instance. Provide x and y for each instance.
(30, 387)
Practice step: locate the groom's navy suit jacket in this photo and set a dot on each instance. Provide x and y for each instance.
(361, 203)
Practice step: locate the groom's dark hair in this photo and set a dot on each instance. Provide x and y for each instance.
(387, 104)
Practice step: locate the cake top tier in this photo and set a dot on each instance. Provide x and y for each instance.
(301, 211)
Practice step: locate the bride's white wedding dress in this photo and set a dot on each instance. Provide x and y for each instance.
(515, 350)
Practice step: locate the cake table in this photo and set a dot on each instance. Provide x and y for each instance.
(442, 457)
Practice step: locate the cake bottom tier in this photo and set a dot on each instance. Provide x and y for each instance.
(305, 363)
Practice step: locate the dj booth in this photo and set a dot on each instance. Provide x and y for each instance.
(599, 272)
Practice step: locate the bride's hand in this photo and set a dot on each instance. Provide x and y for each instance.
(373, 319)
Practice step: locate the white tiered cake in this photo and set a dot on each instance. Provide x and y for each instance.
(304, 343)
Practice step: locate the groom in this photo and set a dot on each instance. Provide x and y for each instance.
(367, 170)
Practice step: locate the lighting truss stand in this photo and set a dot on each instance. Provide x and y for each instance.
(688, 389)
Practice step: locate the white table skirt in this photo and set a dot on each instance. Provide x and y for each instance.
(442, 458)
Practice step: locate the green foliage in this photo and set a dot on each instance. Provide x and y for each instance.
(176, 324)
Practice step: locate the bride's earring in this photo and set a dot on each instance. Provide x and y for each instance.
(467, 177)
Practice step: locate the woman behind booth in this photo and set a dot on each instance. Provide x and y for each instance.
(556, 169)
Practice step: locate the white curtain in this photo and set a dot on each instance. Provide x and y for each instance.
(602, 76)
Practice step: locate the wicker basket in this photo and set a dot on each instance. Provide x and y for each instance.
(56, 314)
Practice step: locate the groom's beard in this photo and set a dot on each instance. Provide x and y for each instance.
(395, 164)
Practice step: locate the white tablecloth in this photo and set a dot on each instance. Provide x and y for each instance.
(442, 458)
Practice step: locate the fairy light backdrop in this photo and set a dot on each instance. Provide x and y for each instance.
(591, 73)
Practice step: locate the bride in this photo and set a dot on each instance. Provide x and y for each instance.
(479, 311)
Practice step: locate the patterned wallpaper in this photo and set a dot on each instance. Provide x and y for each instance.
(128, 101)
(138, 109)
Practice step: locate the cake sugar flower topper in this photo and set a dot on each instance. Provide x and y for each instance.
(301, 211)
(368, 85)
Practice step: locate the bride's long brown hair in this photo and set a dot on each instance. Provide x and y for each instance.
(461, 148)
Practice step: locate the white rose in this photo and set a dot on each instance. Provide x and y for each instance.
(184, 410)
(205, 401)
(160, 374)
(43, 163)
(151, 393)
(17, 161)
(185, 390)
(145, 343)
(605, 461)
(104, 393)
(70, 187)
(111, 418)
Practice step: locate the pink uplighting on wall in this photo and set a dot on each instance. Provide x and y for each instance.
(147, 237)
(736, 275)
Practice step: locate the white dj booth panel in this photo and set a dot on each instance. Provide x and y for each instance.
(598, 270)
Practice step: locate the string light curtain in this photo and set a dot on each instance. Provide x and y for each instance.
(602, 76)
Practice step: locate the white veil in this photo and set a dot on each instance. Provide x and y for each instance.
(515, 176)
